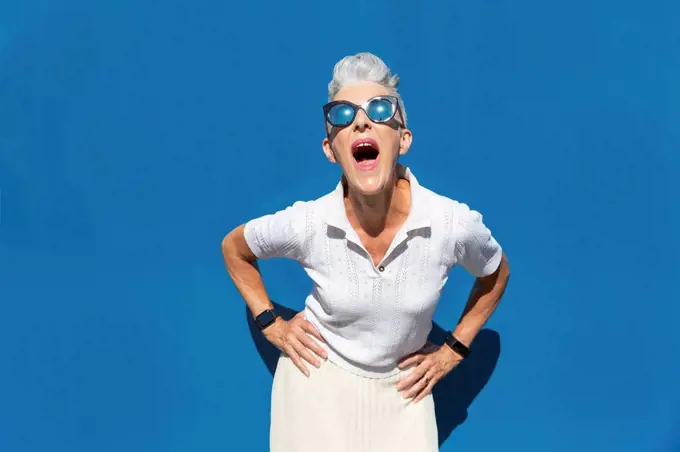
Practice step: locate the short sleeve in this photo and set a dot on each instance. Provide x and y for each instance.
(280, 234)
(476, 248)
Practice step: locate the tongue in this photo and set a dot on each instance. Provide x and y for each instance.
(367, 164)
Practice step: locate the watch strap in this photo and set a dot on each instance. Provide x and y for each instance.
(457, 346)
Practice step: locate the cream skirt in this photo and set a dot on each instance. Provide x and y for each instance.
(337, 411)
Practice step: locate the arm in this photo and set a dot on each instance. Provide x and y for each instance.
(484, 297)
(271, 236)
(434, 363)
(281, 234)
(241, 264)
(478, 252)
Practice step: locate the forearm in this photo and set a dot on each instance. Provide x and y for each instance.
(242, 267)
(484, 297)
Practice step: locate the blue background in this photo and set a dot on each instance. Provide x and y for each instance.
(134, 135)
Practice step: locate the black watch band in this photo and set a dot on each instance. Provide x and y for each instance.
(457, 346)
(266, 318)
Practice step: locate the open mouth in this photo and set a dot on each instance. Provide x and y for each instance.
(365, 152)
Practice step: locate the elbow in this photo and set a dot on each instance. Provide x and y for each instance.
(234, 247)
(503, 276)
(229, 245)
(499, 278)
(503, 271)
(230, 253)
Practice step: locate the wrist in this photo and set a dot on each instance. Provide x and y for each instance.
(266, 318)
(466, 331)
(449, 358)
(457, 346)
(274, 330)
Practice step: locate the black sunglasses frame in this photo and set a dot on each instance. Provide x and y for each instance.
(393, 99)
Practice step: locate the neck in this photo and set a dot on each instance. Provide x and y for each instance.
(375, 213)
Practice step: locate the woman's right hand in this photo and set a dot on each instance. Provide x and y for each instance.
(295, 338)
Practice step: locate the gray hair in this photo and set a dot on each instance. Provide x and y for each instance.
(364, 67)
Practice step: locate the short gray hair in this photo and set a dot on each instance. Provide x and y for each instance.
(364, 67)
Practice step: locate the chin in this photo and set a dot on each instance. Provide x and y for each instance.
(368, 184)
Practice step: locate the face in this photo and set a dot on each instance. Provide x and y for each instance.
(367, 151)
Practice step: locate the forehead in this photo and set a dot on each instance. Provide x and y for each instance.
(361, 91)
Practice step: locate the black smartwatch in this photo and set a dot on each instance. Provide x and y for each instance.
(457, 346)
(266, 318)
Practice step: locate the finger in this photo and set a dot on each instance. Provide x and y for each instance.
(427, 390)
(312, 345)
(305, 353)
(295, 357)
(300, 323)
(415, 388)
(421, 386)
(414, 359)
(413, 377)
(311, 329)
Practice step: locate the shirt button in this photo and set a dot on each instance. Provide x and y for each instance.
(381, 268)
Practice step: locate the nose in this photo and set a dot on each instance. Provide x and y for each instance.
(361, 121)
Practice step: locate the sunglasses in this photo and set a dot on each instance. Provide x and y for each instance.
(379, 109)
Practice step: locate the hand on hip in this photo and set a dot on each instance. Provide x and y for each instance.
(295, 338)
(432, 364)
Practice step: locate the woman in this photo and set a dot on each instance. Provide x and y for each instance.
(356, 371)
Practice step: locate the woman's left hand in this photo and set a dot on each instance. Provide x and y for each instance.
(432, 364)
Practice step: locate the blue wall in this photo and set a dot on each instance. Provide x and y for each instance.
(134, 135)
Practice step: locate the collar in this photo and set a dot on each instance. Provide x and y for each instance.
(418, 218)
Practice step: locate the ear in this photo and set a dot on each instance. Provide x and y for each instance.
(405, 141)
(328, 150)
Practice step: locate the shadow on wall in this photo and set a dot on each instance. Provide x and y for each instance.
(452, 396)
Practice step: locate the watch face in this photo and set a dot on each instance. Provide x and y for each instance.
(265, 318)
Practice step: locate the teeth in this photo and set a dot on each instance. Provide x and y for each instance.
(363, 145)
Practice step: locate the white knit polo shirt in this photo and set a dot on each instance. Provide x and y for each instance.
(372, 316)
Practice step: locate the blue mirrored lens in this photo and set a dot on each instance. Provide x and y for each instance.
(340, 115)
(380, 110)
